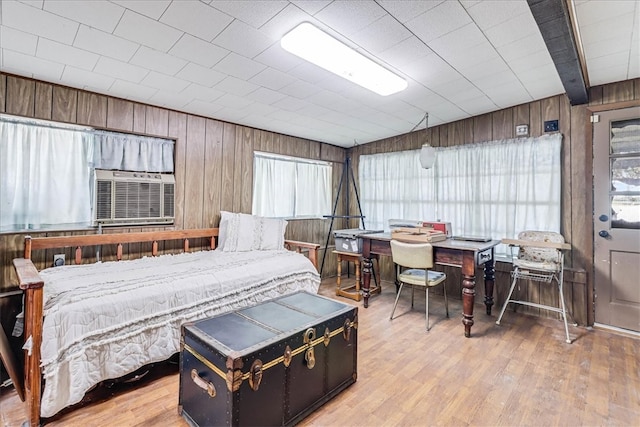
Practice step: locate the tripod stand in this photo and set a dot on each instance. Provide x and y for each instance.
(347, 175)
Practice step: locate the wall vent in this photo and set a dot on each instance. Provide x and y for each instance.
(133, 198)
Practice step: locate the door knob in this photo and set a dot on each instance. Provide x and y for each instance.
(604, 233)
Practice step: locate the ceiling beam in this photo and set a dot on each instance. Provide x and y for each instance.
(554, 21)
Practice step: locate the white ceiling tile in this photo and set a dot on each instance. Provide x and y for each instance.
(468, 58)
(620, 27)
(166, 98)
(35, 21)
(461, 39)
(58, 52)
(491, 66)
(442, 19)
(154, 60)
(239, 66)
(512, 30)
(405, 10)
(87, 79)
(254, 13)
(476, 106)
(233, 101)
(18, 41)
(611, 10)
(290, 103)
(276, 57)
(272, 79)
(165, 83)
(287, 19)
(348, 17)
(405, 52)
(202, 108)
(532, 61)
(522, 47)
(23, 64)
(299, 89)
(457, 90)
(236, 86)
(120, 70)
(34, 3)
(243, 39)
(193, 49)
(309, 73)
(200, 75)
(381, 35)
(202, 93)
(489, 13)
(259, 109)
(128, 90)
(153, 9)
(311, 6)
(147, 31)
(105, 44)
(196, 18)
(100, 14)
(262, 95)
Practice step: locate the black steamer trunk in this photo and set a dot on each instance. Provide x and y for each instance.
(267, 365)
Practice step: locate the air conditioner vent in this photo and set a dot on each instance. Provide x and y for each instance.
(134, 198)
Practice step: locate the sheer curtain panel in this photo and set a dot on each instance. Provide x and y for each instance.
(44, 176)
(494, 189)
(290, 187)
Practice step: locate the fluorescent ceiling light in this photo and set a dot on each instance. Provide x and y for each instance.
(319, 48)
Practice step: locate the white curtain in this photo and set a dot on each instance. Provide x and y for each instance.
(494, 189)
(44, 176)
(120, 151)
(288, 187)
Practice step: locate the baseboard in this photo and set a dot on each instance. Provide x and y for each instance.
(616, 330)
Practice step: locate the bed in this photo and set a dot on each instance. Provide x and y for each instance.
(87, 323)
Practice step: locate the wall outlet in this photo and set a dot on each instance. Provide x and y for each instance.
(551, 126)
(522, 130)
(58, 260)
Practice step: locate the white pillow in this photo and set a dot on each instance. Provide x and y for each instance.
(242, 232)
(271, 233)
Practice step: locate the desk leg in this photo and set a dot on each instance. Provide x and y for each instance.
(468, 290)
(366, 280)
(489, 278)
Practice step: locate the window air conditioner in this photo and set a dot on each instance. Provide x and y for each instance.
(133, 198)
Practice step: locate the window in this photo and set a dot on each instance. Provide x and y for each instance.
(290, 187)
(46, 170)
(494, 189)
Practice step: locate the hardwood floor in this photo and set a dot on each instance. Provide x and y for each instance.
(517, 374)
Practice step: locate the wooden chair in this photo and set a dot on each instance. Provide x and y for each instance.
(413, 261)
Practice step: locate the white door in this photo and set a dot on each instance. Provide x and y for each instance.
(616, 179)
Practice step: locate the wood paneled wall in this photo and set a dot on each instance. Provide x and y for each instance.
(213, 159)
(577, 165)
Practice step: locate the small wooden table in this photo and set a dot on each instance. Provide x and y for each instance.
(457, 253)
(353, 291)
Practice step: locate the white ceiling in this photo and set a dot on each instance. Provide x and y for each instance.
(222, 59)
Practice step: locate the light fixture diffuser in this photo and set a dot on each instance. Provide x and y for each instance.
(319, 48)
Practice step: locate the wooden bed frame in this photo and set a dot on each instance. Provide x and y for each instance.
(32, 284)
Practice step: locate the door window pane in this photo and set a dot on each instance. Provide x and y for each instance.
(625, 174)
(625, 136)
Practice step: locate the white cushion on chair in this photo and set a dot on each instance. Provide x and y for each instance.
(416, 277)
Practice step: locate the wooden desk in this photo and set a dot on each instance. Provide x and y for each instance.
(458, 253)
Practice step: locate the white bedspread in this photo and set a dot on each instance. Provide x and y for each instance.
(108, 319)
